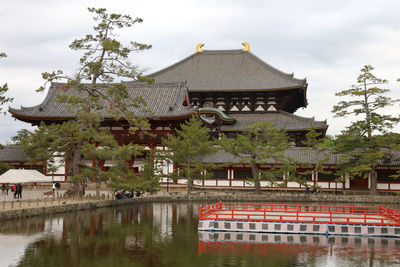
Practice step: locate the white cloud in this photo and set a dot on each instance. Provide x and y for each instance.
(325, 41)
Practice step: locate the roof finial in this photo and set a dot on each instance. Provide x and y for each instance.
(198, 48)
(246, 46)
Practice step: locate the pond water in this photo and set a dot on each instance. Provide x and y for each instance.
(165, 234)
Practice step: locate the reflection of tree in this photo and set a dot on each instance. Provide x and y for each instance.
(127, 236)
(23, 227)
(117, 237)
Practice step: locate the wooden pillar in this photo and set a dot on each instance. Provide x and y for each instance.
(315, 177)
(130, 165)
(66, 168)
(175, 171)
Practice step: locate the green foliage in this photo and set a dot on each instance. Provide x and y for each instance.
(315, 145)
(5, 167)
(191, 143)
(3, 91)
(329, 141)
(104, 60)
(300, 177)
(262, 143)
(146, 181)
(364, 144)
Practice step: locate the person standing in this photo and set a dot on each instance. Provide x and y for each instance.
(58, 186)
(84, 188)
(53, 187)
(80, 189)
(14, 189)
(19, 190)
(7, 188)
(3, 189)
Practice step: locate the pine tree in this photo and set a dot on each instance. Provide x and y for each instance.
(191, 142)
(146, 181)
(96, 97)
(362, 146)
(320, 147)
(261, 143)
(3, 91)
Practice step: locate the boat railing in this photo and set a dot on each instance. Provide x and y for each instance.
(301, 213)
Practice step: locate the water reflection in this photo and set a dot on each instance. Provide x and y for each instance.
(165, 234)
(211, 243)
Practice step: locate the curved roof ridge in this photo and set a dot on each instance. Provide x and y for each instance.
(300, 117)
(159, 98)
(137, 83)
(276, 70)
(173, 65)
(233, 51)
(45, 100)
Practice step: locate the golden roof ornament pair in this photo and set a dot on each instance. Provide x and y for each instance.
(245, 44)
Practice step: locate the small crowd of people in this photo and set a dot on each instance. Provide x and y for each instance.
(123, 194)
(5, 187)
(16, 189)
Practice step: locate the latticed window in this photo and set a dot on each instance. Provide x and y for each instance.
(326, 176)
(220, 174)
(385, 176)
(304, 175)
(242, 174)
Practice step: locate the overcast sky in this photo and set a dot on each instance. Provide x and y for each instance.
(326, 41)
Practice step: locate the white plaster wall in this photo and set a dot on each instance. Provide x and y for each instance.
(323, 184)
(293, 184)
(347, 181)
(249, 184)
(209, 183)
(223, 183)
(182, 181)
(59, 164)
(197, 182)
(339, 185)
(395, 186)
(237, 183)
(384, 186)
(138, 164)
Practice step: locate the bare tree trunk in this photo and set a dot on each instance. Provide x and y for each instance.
(189, 181)
(373, 179)
(256, 179)
(75, 166)
(98, 185)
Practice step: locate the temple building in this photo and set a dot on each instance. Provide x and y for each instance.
(235, 88)
(15, 157)
(227, 89)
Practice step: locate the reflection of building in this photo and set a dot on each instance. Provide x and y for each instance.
(256, 243)
(227, 89)
(166, 217)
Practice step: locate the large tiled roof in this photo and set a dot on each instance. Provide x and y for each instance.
(281, 120)
(13, 154)
(164, 100)
(301, 155)
(227, 70)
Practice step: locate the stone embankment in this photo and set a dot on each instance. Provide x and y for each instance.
(70, 206)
